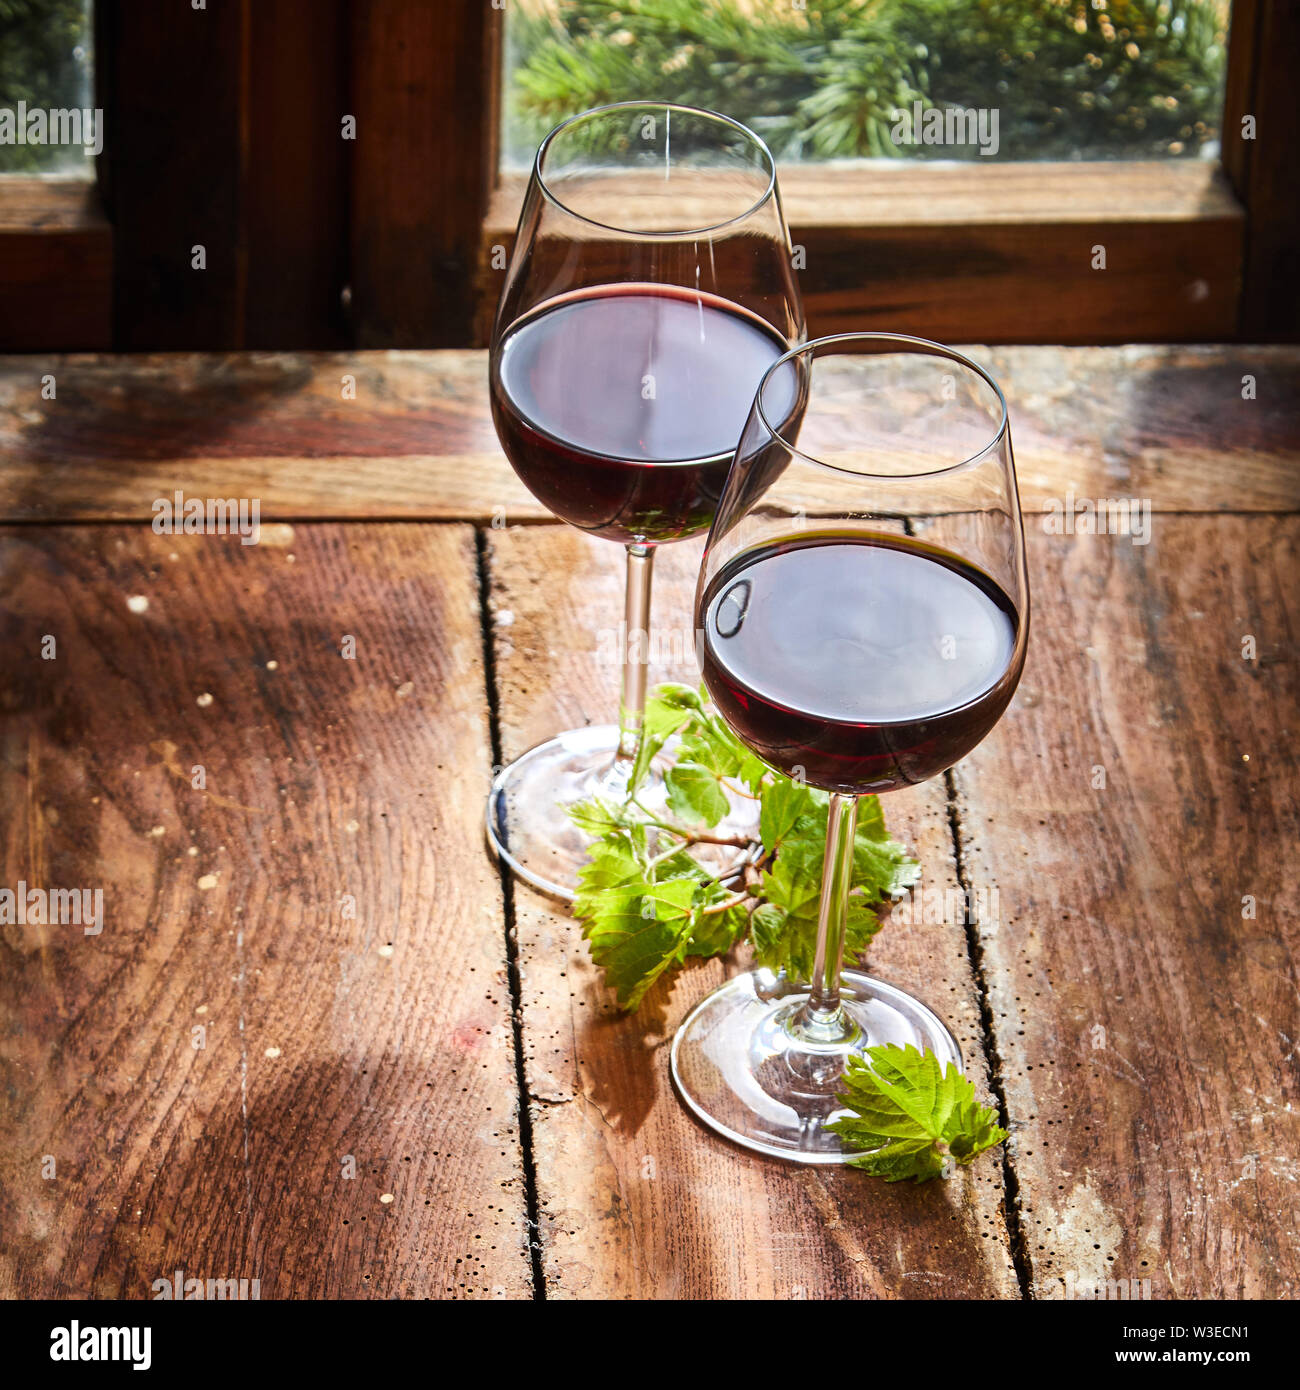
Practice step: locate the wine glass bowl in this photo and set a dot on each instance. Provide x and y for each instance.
(652, 291)
(649, 289)
(862, 617)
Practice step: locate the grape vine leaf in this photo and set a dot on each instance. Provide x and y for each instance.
(638, 927)
(636, 930)
(910, 1115)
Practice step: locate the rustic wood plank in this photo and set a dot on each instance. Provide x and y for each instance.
(962, 253)
(635, 1199)
(1164, 423)
(424, 81)
(1146, 1026)
(56, 266)
(385, 1035)
(1172, 425)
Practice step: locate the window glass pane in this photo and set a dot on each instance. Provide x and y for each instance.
(919, 79)
(46, 87)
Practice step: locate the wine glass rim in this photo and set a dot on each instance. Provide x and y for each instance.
(921, 346)
(539, 178)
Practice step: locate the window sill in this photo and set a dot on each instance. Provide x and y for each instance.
(998, 253)
(56, 265)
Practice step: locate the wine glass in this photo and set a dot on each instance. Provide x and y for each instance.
(650, 287)
(862, 616)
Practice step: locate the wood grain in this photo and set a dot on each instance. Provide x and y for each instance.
(635, 1199)
(416, 440)
(1146, 1025)
(226, 132)
(383, 1033)
(1143, 1029)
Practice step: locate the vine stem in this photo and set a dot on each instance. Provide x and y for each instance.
(727, 904)
(693, 837)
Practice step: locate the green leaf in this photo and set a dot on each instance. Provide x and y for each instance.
(617, 859)
(785, 888)
(871, 819)
(636, 931)
(645, 910)
(667, 709)
(766, 928)
(715, 933)
(910, 1115)
(597, 817)
(695, 793)
(752, 771)
(804, 850)
(702, 744)
(784, 804)
(784, 928)
(883, 868)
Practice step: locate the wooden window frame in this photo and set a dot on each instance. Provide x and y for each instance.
(388, 240)
(1196, 250)
(56, 265)
(999, 253)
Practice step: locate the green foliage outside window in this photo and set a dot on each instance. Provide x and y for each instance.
(1133, 79)
(45, 62)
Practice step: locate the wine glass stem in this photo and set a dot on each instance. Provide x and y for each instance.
(636, 640)
(822, 1019)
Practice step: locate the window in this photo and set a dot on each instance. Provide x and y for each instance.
(1010, 79)
(971, 170)
(352, 169)
(47, 123)
(55, 242)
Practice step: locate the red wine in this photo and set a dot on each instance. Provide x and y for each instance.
(870, 662)
(621, 407)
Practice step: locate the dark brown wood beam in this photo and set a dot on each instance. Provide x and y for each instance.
(424, 97)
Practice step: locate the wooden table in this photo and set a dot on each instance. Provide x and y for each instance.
(319, 1043)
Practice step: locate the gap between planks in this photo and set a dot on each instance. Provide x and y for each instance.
(514, 980)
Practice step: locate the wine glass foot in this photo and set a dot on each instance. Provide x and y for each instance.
(740, 1067)
(528, 827)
